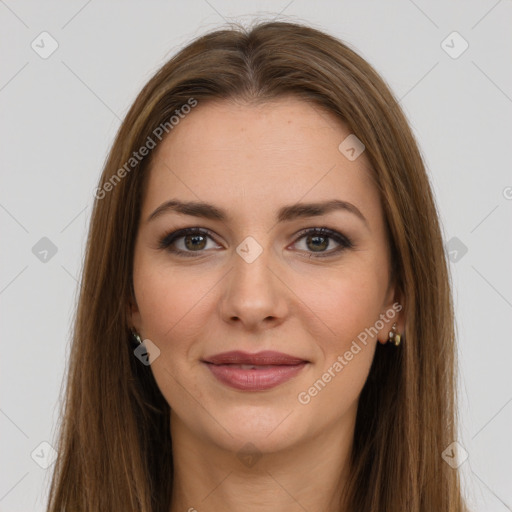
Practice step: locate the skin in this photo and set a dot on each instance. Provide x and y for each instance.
(252, 160)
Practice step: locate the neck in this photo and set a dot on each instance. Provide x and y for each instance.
(306, 477)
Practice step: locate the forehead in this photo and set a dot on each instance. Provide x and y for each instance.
(258, 157)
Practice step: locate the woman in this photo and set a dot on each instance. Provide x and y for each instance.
(265, 320)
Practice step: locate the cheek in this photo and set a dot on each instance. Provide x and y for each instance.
(349, 307)
(168, 300)
(349, 302)
(172, 312)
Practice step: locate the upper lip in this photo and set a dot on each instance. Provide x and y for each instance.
(266, 357)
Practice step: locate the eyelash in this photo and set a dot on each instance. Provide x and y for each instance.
(169, 238)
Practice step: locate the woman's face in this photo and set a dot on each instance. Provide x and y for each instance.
(256, 280)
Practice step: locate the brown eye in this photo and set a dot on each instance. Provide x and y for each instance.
(195, 240)
(317, 240)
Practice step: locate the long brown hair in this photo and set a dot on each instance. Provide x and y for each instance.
(114, 449)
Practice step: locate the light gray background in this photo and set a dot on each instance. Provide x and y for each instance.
(58, 119)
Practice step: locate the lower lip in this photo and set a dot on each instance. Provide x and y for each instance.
(254, 379)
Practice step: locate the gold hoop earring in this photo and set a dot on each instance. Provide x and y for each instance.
(137, 337)
(394, 336)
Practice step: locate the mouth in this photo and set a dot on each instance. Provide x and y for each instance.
(254, 372)
(264, 358)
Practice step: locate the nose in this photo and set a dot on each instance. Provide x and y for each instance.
(254, 295)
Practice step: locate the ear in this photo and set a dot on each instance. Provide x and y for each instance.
(393, 312)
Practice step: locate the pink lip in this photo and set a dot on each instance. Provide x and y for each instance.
(276, 368)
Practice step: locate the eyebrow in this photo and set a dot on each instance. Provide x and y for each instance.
(285, 213)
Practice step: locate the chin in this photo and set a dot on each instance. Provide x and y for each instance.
(268, 429)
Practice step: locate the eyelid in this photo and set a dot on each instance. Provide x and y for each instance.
(343, 241)
(167, 239)
(328, 232)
